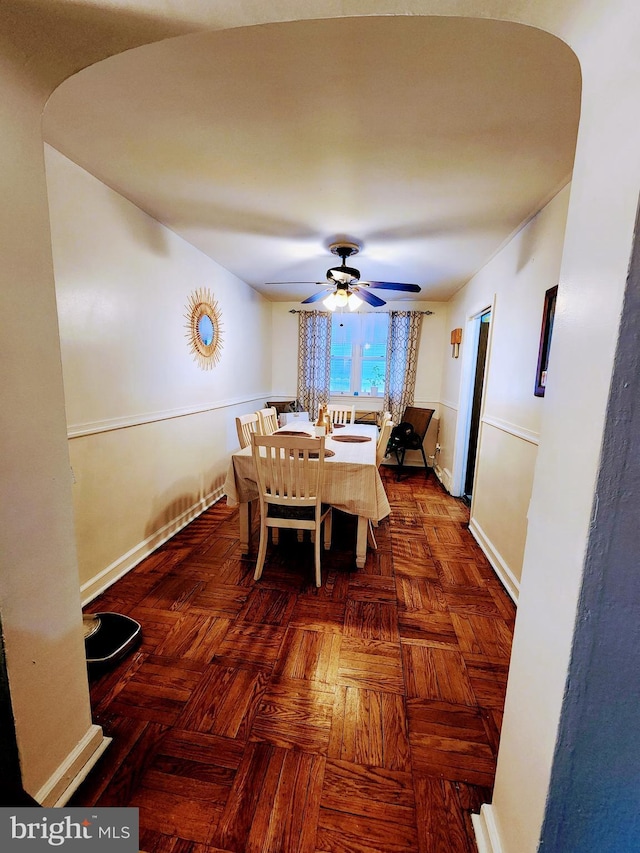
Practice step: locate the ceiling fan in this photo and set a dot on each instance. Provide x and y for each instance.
(348, 290)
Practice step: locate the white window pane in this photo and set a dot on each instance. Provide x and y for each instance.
(358, 352)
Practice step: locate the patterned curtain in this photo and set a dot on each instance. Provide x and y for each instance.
(402, 361)
(314, 360)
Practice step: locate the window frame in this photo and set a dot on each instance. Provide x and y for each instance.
(357, 358)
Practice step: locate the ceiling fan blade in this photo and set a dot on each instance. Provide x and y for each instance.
(393, 285)
(316, 296)
(319, 283)
(371, 298)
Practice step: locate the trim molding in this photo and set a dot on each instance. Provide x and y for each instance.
(108, 576)
(58, 789)
(449, 405)
(519, 432)
(507, 578)
(111, 424)
(444, 475)
(486, 830)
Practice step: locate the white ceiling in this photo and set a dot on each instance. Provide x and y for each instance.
(427, 140)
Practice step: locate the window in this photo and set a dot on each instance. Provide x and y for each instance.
(358, 353)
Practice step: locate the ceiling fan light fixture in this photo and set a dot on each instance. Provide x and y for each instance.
(330, 302)
(354, 302)
(341, 297)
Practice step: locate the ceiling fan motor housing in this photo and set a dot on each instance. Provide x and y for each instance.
(343, 274)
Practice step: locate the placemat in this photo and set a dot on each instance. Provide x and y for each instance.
(313, 454)
(352, 438)
(299, 432)
(338, 426)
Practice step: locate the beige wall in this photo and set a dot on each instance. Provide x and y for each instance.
(598, 239)
(150, 430)
(513, 283)
(39, 590)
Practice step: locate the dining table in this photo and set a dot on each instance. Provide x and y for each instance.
(351, 483)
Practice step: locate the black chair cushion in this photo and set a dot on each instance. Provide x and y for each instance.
(302, 513)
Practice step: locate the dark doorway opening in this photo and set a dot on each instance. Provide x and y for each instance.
(478, 386)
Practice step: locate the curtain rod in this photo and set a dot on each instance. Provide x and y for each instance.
(299, 311)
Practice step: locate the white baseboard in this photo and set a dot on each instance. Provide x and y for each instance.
(486, 830)
(507, 578)
(102, 581)
(444, 475)
(58, 789)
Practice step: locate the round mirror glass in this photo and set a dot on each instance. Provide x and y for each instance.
(205, 330)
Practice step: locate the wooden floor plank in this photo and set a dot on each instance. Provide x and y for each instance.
(276, 717)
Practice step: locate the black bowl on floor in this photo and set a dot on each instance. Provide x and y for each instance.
(111, 637)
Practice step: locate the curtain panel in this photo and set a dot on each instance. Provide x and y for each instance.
(402, 361)
(314, 360)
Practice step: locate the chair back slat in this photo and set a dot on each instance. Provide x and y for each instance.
(383, 440)
(340, 414)
(246, 426)
(289, 468)
(268, 419)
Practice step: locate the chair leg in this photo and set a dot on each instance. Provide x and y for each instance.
(328, 530)
(316, 551)
(424, 459)
(262, 550)
(400, 461)
(371, 539)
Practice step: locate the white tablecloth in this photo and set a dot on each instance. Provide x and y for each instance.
(351, 478)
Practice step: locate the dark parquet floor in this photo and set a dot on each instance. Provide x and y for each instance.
(274, 717)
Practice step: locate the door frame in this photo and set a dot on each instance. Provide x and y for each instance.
(471, 335)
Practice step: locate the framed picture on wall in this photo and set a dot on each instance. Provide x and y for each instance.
(545, 340)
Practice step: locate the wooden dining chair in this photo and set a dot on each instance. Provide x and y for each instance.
(383, 439)
(246, 426)
(386, 425)
(340, 414)
(410, 434)
(268, 421)
(290, 473)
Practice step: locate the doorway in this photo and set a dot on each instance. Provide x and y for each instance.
(476, 404)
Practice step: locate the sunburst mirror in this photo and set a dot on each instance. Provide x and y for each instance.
(204, 328)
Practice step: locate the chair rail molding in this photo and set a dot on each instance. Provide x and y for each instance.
(126, 421)
(512, 429)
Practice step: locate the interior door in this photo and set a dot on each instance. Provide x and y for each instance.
(476, 405)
